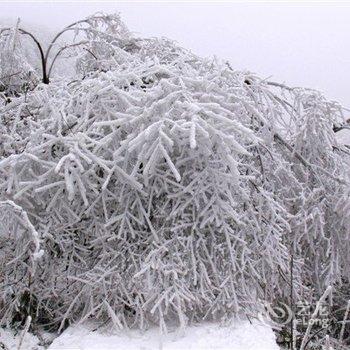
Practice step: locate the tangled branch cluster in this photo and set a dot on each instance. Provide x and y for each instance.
(163, 186)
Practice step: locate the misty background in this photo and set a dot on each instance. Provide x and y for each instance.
(301, 44)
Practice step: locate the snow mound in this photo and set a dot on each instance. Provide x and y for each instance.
(9, 340)
(207, 336)
(343, 137)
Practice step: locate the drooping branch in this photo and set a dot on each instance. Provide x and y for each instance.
(44, 56)
(66, 29)
(59, 53)
(45, 78)
(305, 163)
(70, 27)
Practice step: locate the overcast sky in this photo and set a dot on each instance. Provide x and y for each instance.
(302, 44)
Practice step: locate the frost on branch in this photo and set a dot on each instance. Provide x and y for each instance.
(16, 74)
(164, 187)
(20, 248)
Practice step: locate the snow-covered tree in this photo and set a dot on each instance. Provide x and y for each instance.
(16, 74)
(157, 185)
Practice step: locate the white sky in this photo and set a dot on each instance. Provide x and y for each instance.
(302, 44)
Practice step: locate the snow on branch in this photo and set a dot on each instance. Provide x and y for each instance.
(162, 185)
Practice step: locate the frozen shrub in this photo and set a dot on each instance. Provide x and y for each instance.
(164, 186)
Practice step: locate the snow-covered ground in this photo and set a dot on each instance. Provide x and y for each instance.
(10, 340)
(208, 336)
